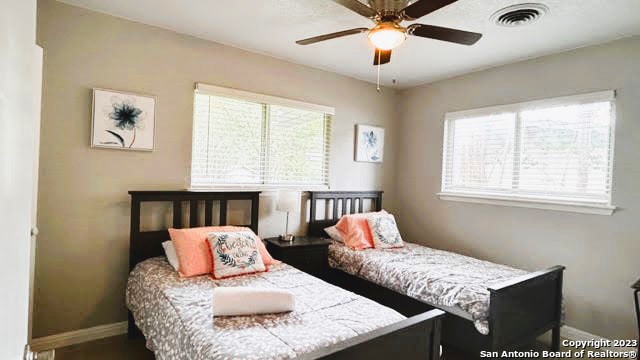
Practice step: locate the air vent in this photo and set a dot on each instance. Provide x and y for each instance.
(519, 15)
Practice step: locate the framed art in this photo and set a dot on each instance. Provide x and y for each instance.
(123, 120)
(369, 143)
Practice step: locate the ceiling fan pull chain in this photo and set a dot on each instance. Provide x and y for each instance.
(378, 80)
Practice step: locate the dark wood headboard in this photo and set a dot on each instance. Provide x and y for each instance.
(351, 203)
(147, 244)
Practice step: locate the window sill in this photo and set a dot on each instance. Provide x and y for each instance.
(544, 204)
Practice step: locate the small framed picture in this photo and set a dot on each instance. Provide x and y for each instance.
(369, 143)
(123, 120)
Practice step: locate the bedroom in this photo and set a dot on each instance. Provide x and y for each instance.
(77, 268)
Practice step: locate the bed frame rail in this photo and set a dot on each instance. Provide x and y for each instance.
(416, 338)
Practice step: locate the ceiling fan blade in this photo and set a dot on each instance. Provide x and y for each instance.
(358, 7)
(444, 34)
(421, 8)
(382, 57)
(334, 35)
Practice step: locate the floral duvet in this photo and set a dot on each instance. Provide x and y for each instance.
(175, 315)
(452, 282)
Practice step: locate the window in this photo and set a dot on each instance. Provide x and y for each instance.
(246, 139)
(552, 154)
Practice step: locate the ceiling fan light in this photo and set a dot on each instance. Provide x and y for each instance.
(387, 36)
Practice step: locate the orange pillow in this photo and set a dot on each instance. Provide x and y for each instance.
(355, 230)
(194, 255)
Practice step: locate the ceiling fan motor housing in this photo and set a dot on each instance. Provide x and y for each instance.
(390, 6)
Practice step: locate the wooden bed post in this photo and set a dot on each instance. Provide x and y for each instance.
(555, 338)
(132, 329)
(555, 332)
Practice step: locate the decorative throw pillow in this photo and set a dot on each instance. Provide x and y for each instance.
(355, 230)
(194, 255)
(384, 231)
(170, 253)
(334, 233)
(235, 253)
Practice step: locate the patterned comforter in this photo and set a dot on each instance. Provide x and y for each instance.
(452, 282)
(175, 315)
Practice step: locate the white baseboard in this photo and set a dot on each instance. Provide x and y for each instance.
(78, 336)
(571, 333)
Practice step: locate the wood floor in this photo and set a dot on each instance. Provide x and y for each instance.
(122, 348)
(113, 348)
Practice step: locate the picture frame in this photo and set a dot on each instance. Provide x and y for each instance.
(122, 120)
(369, 143)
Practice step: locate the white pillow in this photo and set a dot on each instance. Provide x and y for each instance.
(170, 253)
(235, 253)
(245, 300)
(384, 231)
(334, 233)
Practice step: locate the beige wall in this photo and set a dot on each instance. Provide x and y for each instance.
(81, 260)
(600, 252)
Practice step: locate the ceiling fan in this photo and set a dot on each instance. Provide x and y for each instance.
(388, 33)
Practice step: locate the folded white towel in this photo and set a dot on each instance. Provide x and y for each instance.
(232, 301)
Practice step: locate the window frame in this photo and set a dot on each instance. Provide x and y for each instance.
(264, 100)
(543, 200)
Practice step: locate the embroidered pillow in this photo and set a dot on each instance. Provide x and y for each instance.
(355, 230)
(194, 254)
(334, 233)
(235, 253)
(384, 231)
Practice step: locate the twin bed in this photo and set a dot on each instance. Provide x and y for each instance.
(175, 314)
(380, 303)
(489, 306)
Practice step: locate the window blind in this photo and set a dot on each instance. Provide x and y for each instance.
(243, 141)
(557, 149)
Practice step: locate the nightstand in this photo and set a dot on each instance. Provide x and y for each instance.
(306, 253)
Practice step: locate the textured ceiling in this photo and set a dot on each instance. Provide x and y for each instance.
(272, 26)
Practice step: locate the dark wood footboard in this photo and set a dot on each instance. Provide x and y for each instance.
(527, 307)
(521, 310)
(416, 338)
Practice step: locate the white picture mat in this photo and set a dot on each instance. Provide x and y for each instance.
(364, 153)
(101, 122)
